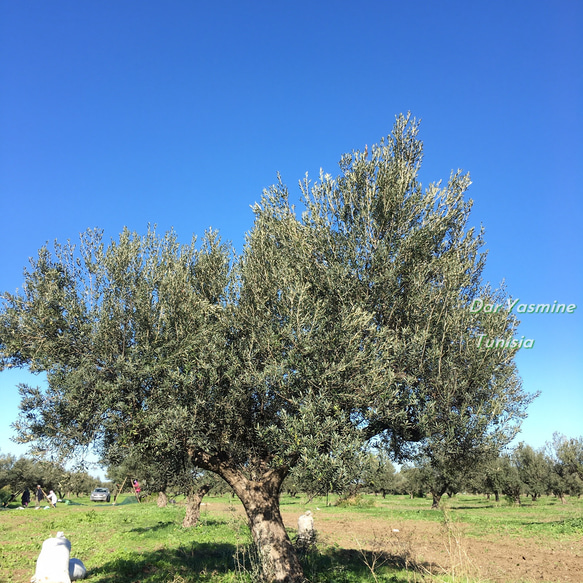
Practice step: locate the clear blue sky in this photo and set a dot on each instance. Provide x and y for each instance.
(179, 113)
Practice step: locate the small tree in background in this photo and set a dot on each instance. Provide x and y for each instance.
(565, 459)
(512, 485)
(533, 470)
(80, 482)
(494, 470)
(24, 472)
(379, 474)
(414, 481)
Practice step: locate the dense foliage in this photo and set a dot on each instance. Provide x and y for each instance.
(345, 324)
(16, 474)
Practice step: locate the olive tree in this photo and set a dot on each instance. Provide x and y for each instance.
(162, 471)
(565, 461)
(379, 474)
(533, 469)
(464, 431)
(331, 327)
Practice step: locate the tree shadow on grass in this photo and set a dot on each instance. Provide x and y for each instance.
(210, 562)
(337, 565)
(159, 526)
(453, 507)
(196, 562)
(208, 522)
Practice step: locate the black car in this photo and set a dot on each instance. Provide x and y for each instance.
(100, 495)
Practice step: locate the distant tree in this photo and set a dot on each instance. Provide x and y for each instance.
(164, 470)
(570, 453)
(23, 472)
(379, 474)
(290, 486)
(8, 490)
(414, 481)
(559, 481)
(54, 477)
(565, 466)
(6, 464)
(512, 485)
(399, 483)
(333, 327)
(437, 479)
(575, 485)
(493, 476)
(533, 469)
(440, 477)
(80, 483)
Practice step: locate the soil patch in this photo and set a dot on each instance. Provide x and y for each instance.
(437, 548)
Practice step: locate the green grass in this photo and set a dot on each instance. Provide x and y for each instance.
(120, 543)
(131, 543)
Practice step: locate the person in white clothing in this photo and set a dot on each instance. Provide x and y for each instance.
(52, 497)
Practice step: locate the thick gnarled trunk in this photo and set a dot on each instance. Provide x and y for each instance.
(193, 502)
(260, 499)
(278, 556)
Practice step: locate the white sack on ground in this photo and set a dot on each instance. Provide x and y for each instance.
(52, 565)
(306, 526)
(77, 569)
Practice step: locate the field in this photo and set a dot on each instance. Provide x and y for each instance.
(394, 539)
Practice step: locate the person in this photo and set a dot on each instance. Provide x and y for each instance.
(137, 488)
(39, 495)
(53, 498)
(25, 497)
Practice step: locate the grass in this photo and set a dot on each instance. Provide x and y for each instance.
(132, 543)
(118, 543)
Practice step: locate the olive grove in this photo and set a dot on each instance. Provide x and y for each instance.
(344, 323)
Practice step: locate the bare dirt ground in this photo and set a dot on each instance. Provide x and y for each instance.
(433, 547)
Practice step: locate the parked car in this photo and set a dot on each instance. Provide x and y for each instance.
(100, 495)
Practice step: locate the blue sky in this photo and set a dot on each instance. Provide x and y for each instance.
(180, 113)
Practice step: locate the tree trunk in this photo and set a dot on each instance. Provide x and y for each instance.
(497, 496)
(436, 500)
(162, 500)
(260, 498)
(280, 563)
(193, 506)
